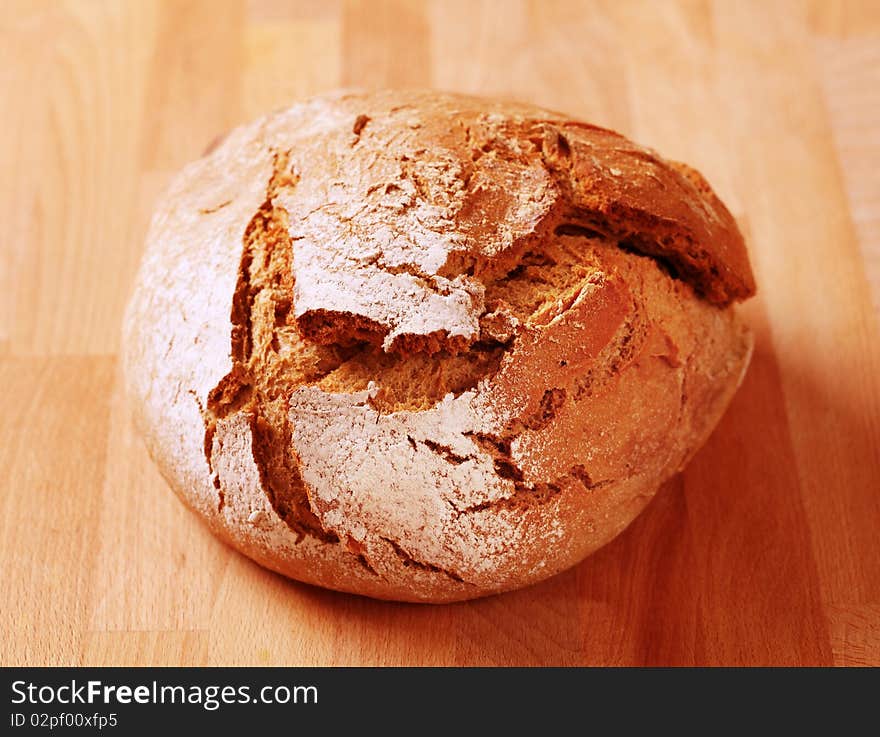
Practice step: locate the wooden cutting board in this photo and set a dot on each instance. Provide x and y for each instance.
(765, 551)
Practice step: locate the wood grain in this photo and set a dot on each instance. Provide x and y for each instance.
(765, 551)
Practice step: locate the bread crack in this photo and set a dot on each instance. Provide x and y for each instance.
(365, 563)
(411, 562)
(264, 348)
(425, 368)
(413, 381)
(527, 495)
(671, 243)
(498, 448)
(360, 122)
(215, 208)
(445, 452)
(593, 198)
(551, 402)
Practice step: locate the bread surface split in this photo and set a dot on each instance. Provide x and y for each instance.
(428, 347)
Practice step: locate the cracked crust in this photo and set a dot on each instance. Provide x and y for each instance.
(428, 347)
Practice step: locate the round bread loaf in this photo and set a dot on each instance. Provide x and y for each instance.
(428, 347)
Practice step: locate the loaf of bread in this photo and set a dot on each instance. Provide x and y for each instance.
(428, 347)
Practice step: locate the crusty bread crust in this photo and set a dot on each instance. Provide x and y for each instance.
(428, 347)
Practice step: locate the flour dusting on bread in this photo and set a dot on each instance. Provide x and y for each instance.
(428, 347)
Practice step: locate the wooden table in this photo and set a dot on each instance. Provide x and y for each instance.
(765, 551)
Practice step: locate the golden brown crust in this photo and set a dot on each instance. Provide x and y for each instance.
(428, 347)
(660, 208)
